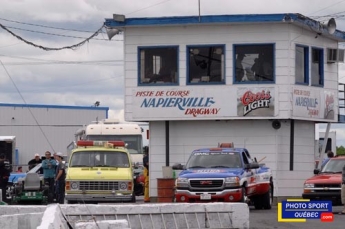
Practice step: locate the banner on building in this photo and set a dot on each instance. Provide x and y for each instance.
(182, 104)
(258, 101)
(313, 103)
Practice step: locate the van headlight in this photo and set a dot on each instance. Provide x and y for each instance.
(74, 185)
(182, 182)
(232, 181)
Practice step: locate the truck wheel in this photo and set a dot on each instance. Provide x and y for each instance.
(258, 203)
(267, 198)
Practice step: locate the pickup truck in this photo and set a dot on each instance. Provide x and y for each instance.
(224, 174)
(326, 183)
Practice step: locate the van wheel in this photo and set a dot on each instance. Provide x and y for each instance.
(133, 198)
(267, 198)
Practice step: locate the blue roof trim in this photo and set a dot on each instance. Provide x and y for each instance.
(195, 19)
(295, 18)
(54, 106)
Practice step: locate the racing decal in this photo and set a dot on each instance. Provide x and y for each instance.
(210, 171)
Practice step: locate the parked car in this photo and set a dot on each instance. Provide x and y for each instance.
(326, 183)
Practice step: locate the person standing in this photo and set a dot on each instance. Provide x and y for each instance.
(146, 174)
(4, 175)
(49, 166)
(37, 160)
(60, 179)
(330, 154)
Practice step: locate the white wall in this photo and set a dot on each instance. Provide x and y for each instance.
(56, 128)
(257, 136)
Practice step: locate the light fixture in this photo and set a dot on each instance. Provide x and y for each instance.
(119, 17)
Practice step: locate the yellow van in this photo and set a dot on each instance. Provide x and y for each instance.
(99, 171)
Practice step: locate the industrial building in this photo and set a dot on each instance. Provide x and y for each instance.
(39, 128)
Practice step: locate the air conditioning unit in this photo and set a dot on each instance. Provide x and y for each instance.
(335, 55)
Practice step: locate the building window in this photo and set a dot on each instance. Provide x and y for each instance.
(301, 64)
(317, 67)
(254, 63)
(158, 65)
(205, 64)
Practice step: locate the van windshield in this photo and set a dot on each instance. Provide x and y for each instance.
(99, 159)
(214, 160)
(134, 142)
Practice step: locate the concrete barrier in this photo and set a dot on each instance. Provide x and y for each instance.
(21, 209)
(105, 224)
(21, 221)
(53, 218)
(181, 215)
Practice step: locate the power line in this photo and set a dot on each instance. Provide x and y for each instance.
(150, 6)
(53, 49)
(328, 7)
(44, 26)
(20, 94)
(55, 34)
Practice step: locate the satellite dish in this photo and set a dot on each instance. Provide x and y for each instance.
(111, 32)
(331, 26)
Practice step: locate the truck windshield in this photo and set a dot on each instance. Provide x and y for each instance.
(99, 159)
(134, 142)
(214, 160)
(334, 166)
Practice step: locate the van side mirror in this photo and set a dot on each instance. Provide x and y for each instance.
(178, 167)
(316, 171)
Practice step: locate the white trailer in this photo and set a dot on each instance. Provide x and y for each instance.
(112, 130)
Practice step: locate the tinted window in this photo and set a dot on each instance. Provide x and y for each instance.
(254, 63)
(214, 159)
(99, 159)
(205, 64)
(158, 65)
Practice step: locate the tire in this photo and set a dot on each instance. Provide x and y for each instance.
(134, 200)
(267, 198)
(258, 203)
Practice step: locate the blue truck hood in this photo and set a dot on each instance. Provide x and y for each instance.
(15, 176)
(211, 173)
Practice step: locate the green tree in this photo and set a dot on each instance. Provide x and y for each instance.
(340, 150)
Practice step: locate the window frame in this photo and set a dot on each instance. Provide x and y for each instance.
(223, 46)
(321, 67)
(253, 82)
(306, 64)
(139, 48)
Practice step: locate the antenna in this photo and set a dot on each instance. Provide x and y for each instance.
(331, 26)
(199, 10)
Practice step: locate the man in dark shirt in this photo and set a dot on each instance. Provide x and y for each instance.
(4, 175)
(37, 160)
(60, 179)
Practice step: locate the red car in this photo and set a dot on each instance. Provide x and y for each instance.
(326, 184)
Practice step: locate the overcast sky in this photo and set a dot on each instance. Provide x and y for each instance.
(94, 71)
